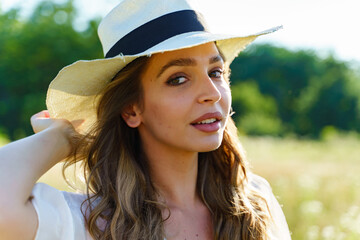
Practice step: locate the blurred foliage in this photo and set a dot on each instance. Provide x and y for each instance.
(309, 92)
(32, 52)
(255, 113)
(275, 91)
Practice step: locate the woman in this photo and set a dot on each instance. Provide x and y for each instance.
(152, 124)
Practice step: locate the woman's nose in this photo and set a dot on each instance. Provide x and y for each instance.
(209, 90)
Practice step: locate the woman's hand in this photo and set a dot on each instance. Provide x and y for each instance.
(41, 121)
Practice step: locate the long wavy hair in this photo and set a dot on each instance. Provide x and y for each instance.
(122, 202)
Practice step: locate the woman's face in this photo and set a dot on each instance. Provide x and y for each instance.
(186, 100)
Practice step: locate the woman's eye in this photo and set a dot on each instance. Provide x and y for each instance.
(176, 80)
(218, 73)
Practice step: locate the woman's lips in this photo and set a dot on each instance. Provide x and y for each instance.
(209, 122)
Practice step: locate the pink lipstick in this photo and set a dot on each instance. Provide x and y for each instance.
(209, 122)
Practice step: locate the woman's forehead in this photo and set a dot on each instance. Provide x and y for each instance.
(200, 52)
(204, 54)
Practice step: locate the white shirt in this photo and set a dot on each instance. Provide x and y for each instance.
(60, 217)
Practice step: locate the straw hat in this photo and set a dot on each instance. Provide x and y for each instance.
(132, 29)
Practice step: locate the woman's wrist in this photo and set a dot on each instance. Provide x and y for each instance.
(60, 134)
(63, 136)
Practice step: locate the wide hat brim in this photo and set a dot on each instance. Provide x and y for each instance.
(75, 91)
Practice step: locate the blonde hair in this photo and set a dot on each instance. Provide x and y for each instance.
(120, 193)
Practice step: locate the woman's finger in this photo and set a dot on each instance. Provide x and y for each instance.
(42, 114)
(40, 123)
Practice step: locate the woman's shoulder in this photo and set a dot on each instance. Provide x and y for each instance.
(262, 186)
(258, 182)
(59, 213)
(42, 191)
(279, 228)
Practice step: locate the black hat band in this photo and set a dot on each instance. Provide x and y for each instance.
(156, 31)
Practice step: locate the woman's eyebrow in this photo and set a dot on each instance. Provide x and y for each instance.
(177, 62)
(186, 62)
(216, 59)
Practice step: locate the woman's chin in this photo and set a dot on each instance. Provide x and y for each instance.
(208, 146)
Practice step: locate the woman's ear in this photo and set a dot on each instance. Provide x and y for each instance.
(132, 116)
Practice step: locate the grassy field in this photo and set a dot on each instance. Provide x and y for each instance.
(317, 182)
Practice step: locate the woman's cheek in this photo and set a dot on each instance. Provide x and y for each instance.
(226, 95)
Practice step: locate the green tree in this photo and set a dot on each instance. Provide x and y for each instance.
(279, 72)
(32, 52)
(329, 100)
(310, 92)
(254, 113)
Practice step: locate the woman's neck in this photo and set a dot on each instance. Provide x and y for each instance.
(174, 174)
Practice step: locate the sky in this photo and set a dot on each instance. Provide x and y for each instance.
(326, 26)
